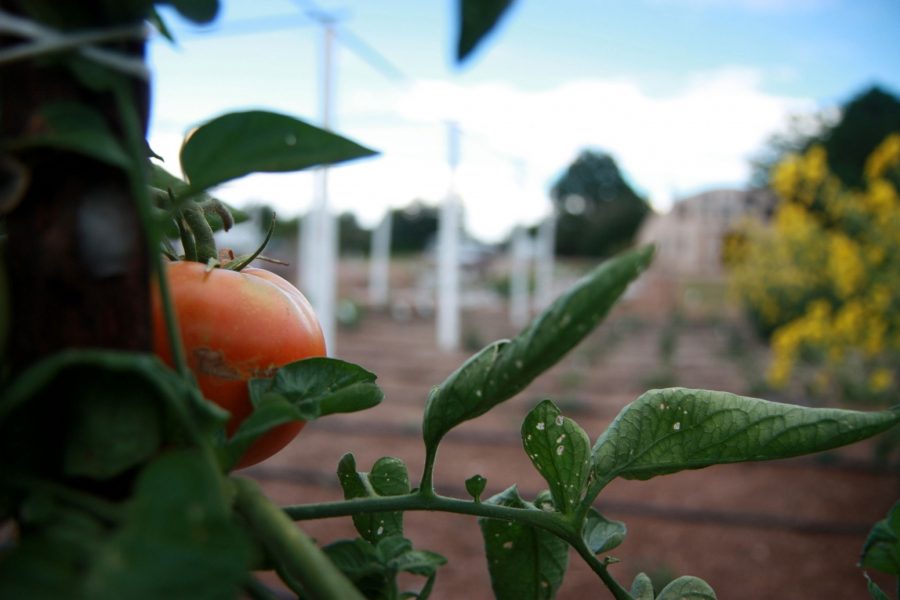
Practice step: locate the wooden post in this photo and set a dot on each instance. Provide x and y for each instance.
(75, 255)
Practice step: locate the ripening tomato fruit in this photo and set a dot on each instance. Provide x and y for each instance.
(237, 326)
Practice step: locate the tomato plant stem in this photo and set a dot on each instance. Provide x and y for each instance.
(553, 522)
(137, 176)
(294, 551)
(618, 592)
(426, 488)
(550, 521)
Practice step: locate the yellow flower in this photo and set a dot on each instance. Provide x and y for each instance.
(885, 156)
(880, 380)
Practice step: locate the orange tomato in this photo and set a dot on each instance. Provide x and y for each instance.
(237, 326)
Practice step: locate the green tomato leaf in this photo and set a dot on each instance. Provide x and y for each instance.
(504, 368)
(77, 128)
(373, 569)
(321, 386)
(108, 434)
(665, 431)
(112, 410)
(358, 560)
(475, 486)
(179, 539)
(881, 550)
(302, 391)
(397, 554)
(561, 452)
(237, 144)
(198, 11)
(687, 588)
(875, 592)
(642, 587)
(476, 19)
(525, 563)
(388, 477)
(50, 561)
(601, 534)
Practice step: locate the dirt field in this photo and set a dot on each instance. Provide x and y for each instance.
(788, 529)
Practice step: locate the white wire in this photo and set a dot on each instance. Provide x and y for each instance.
(45, 40)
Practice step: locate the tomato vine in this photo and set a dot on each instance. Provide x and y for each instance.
(128, 491)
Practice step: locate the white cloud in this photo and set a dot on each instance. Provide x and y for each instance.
(697, 137)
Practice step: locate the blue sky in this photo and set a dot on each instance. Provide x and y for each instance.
(681, 92)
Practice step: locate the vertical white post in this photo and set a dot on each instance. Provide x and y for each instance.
(518, 277)
(319, 230)
(447, 313)
(546, 247)
(380, 263)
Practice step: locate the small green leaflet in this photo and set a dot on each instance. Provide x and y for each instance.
(642, 587)
(504, 368)
(303, 391)
(881, 550)
(387, 478)
(561, 452)
(237, 144)
(373, 567)
(600, 534)
(665, 431)
(525, 563)
(687, 588)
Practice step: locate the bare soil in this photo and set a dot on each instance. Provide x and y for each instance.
(785, 529)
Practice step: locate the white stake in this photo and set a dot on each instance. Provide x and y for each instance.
(447, 317)
(380, 263)
(518, 277)
(546, 247)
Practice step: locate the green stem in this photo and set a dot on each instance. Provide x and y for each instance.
(295, 552)
(592, 492)
(140, 192)
(553, 522)
(427, 486)
(421, 501)
(618, 592)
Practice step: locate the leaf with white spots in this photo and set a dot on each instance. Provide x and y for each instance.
(525, 563)
(561, 452)
(387, 478)
(504, 368)
(665, 431)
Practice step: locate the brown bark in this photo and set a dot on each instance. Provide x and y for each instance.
(75, 256)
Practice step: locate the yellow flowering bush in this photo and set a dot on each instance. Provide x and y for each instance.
(822, 280)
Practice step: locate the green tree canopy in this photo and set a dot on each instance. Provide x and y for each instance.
(412, 227)
(862, 124)
(598, 212)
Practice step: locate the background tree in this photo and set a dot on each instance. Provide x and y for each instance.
(412, 227)
(598, 212)
(848, 137)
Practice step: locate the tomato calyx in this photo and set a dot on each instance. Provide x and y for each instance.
(197, 236)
